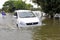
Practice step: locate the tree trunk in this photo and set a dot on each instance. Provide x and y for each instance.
(52, 16)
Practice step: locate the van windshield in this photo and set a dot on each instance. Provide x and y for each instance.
(26, 14)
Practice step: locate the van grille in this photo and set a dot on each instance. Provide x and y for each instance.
(34, 23)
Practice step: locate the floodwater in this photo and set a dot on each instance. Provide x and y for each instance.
(50, 31)
(9, 31)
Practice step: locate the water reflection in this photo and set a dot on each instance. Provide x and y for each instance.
(50, 31)
(15, 34)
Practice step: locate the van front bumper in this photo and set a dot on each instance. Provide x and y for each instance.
(30, 25)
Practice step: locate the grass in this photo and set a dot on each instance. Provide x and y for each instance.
(51, 31)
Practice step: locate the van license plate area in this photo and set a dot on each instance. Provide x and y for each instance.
(32, 23)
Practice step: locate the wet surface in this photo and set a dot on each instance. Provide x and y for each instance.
(15, 35)
(9, 31)
(50, 31)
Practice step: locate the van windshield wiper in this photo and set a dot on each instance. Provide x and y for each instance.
(29, 16)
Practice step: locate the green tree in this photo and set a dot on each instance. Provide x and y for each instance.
(10, 6)
(19, 5)
(28, 6)
(49, 6)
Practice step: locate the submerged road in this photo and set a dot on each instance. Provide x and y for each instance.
(9, 31)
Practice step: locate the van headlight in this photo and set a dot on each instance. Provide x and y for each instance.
(22, 23)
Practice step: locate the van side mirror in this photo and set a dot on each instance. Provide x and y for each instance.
(15, 15)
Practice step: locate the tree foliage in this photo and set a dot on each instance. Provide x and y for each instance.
(10, 6)
(49, 6)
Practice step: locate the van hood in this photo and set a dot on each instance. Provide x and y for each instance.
(28, 20)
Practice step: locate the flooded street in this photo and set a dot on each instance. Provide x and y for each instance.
(50, 31)
(9, 31)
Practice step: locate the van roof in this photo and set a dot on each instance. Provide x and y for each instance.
(36, 11)
(22, 10)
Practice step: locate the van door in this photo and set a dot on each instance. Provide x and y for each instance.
(15, 17)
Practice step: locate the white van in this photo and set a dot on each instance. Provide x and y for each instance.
(25, 18)
(39, 14)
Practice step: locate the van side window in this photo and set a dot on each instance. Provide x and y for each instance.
(37, 14)
(15, 14)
